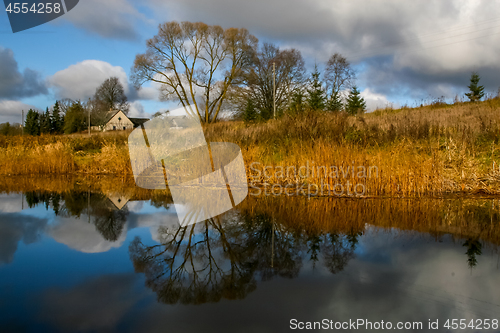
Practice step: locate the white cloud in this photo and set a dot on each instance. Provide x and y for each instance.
(11, 111)
(136, 110)
(374, 101)
(80, 81)
(147, 93)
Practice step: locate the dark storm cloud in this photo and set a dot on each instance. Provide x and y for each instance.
(432, 46)
(383, 77)
(353, 25)
(13, 82)
(114, 19)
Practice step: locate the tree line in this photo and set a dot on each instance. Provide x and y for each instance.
(68, 116)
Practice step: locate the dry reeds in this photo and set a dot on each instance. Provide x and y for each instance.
(430, 150)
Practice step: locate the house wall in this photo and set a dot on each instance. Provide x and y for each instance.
(119, 122)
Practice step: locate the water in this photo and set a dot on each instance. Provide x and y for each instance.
(120, 262)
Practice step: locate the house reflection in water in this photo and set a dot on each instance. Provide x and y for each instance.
(118, 200)
(95, 222)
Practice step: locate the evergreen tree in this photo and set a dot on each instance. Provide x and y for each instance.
(10, 129)
(266, 114)
(45, 124)
(297, 105)
(250, 112)
(316, 94)
(334, 103)
(355, 103)
(32, 124)
(476, 92)
(56, 120)
(5, 128)
(75, 119)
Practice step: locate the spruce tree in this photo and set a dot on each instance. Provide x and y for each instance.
(476, 92)
(56, 120)
(75, 119)
(297, 105)
(316, 94)
(45, 123)
(250, 112)
(334, 103)
(5, 128)
(32, 124)
(355, 103)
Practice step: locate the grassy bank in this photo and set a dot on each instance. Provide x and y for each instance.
(430, 150)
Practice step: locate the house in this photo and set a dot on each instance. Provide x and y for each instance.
(116, 120)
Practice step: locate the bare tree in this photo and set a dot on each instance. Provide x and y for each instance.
(109, 95)
(65, 104)
(338, 76)
(290, 79)
(196, 64)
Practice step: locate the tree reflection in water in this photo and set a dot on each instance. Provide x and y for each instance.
(108, 219)
(219, 258)
(474, 248)
(269, 237)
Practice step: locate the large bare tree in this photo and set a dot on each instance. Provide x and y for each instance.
(196, 64)
(110, 95)
(290, 79)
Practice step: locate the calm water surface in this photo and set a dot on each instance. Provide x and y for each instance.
(95, 262)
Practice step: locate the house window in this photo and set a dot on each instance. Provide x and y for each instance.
(114, 128)
(120, 119)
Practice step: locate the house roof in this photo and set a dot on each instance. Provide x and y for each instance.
(138, 121)
(111, 114)
(135, 121)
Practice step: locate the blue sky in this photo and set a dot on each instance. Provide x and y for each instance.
(404, 53)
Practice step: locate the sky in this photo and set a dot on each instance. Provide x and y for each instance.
(404, 53)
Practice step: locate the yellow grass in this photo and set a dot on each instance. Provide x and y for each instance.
(431, 150)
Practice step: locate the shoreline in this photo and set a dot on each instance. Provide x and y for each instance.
(112, 183)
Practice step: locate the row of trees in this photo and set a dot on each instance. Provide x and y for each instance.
(56, 121)
(208, 69)
(44, 123)
(10, 129)
(68, 116)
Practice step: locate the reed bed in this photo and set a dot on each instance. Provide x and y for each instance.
(431, 150)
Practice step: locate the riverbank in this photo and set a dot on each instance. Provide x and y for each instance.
(431, 150)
